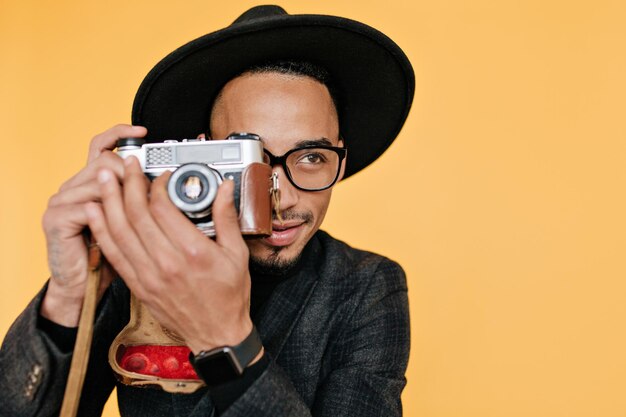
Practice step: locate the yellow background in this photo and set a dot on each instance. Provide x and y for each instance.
(503, 197)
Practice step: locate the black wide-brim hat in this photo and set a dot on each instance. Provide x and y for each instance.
(371, 74)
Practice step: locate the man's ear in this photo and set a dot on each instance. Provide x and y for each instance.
(202, 136)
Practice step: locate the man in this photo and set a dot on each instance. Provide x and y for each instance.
(332, 320)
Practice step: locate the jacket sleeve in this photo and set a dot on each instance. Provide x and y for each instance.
(369, 360)
(33, 370)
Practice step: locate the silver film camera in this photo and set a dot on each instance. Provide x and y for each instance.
(198, 168)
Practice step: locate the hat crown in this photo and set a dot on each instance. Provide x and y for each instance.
(260, 12)
(370, 72)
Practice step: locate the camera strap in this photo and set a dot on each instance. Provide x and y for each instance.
(275, 195)
(80, 358)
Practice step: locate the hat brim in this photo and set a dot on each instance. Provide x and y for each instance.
(372, 75)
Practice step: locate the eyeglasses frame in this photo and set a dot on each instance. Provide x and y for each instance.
(282, 161)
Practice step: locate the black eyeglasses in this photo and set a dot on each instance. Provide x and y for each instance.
(310, 168)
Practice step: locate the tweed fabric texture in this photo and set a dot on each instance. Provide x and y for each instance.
(336, 333)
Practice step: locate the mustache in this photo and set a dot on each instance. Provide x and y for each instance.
(291, 214)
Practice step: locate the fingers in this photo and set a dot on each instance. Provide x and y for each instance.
(174, 224)
(114, 256)
(64, 221)
(183, 232)
(114, 233)
(100, 155)
(81, 194)
(67, 215)
(63, 227)
(227, 230)
(144, 238)
(137, 209)
(106, 159)
(107, 140)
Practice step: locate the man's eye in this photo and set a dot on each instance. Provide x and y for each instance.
(313, 158)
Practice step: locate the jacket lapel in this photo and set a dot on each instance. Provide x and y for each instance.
(286, 304)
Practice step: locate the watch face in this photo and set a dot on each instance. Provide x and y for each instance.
(220, 366)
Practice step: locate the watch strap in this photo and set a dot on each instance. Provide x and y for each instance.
(247, 350)
(243, 353)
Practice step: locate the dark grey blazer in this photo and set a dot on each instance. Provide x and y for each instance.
(337, 334)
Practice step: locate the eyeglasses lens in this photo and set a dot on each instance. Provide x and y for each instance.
(313, 168)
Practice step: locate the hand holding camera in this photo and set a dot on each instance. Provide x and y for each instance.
(192, 285)
(195, 286)
(64, 224)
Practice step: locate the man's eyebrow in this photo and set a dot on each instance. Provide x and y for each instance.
(314, 142)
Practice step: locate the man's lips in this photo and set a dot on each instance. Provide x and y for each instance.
(284, 234)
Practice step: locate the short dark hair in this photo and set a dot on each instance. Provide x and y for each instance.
(301, 69)
(291, 67)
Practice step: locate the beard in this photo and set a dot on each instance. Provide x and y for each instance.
(274, 263)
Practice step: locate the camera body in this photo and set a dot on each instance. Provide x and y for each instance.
(199, 166)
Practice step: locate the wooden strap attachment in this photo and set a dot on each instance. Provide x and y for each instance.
(80, 358)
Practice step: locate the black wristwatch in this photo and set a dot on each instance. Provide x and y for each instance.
(226, 363)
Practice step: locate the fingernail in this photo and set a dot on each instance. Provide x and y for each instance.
(104, 176)
(127, 161)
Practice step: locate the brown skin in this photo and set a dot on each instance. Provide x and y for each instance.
(195, 286)
(63, 224)
(283, 110)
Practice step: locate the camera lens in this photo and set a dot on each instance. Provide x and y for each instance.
(192, 188)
